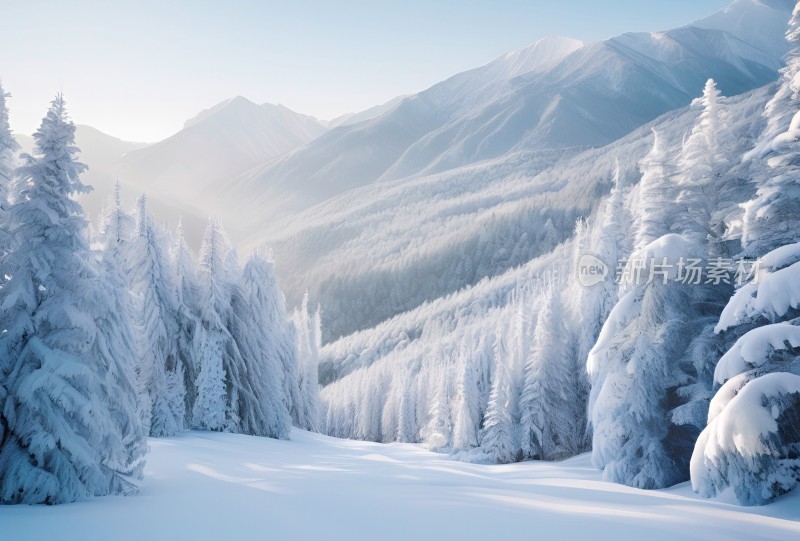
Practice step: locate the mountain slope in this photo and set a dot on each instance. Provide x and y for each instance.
(367, 114)
(552, 94)
(216, 145)
(739, 19)
(98, 149)
(385, 248)
(351, 156)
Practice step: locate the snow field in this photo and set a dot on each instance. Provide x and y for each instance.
(203, 485)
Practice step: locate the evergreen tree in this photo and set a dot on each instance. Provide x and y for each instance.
(308, 339)
(653, 219)
(550, 402)
(188, 318)
(497, 439)
(591, 305)
(210, 410)
(280, 343)
(116, 225)
(440, 427)
(262, 342)
(8, 150)
(467, 409)
(161, 375)
(407, 416)
(701, 164)
(772, 218)
(8, 157)
(69, 422)
(636, 369)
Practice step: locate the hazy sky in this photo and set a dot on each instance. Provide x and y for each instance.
(139, 69)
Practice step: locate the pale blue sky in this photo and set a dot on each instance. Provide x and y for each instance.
(138, 69)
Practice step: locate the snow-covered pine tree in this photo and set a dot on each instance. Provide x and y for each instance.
(8, 157)
(701, 163)
(753, 434)
(636, 369)
(308, 339)
(407, 428)
(230, 393)
(551, 404)
(590, 306)
(69, 414)
(211, 402)
(610, 246)
(466, 429)
(116, 225)
(8, 150)
(752, 439)
(161, 375)
(655, 196)
(188, 317)
(312, 369)
(772, 218)
(440, 427)
(261, 336)
(280, 342)
(497, 437)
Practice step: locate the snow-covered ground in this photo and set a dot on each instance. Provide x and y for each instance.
(225, 486)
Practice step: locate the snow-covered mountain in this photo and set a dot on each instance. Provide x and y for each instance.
(99, 149)
(381, 248)
(541, 97)
(760, 23)
(216, 145)
(352, 156)
(366, 114)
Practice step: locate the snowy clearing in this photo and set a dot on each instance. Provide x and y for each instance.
(203, 485)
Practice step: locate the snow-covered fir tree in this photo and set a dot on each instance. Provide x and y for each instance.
(70, 428)
(116, 226)
(551, 405)
(159, 367)
(243, 343)
(407, 428)
(262, 338)
(655, 194)
(635, 372)
(308, 339)
(751, 441)
(701, 163)
(188, 316)
(8, 157)
(466, 433)
(278, 331)
(211, 407)
(8, 150)
(497, 437)
(772, 218)
(438, 431)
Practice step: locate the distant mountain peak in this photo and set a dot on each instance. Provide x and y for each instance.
(738, 18)
(534, 57)
(237, 103)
